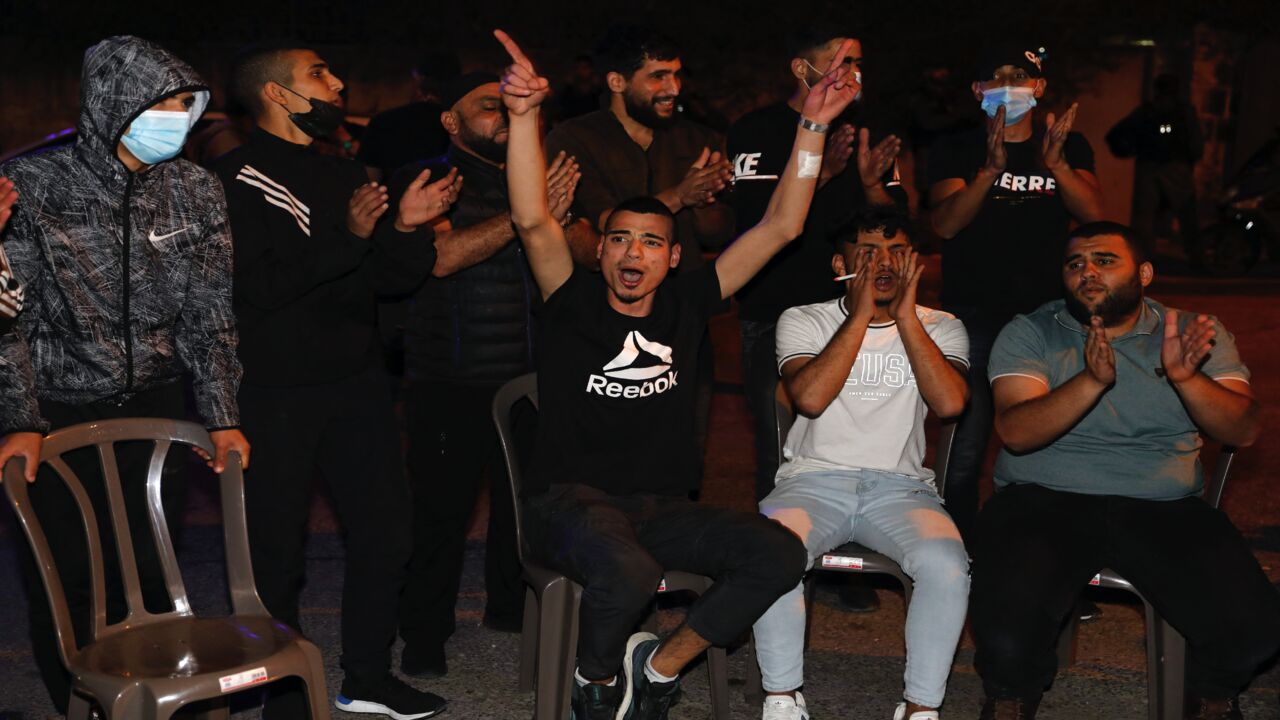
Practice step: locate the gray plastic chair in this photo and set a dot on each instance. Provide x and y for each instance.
(1166, 648)
(850, 557)
(149, 665)
(549, 641)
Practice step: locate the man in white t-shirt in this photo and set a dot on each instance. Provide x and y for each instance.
(861, 372)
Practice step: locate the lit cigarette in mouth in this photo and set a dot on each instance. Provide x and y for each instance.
(850, 276)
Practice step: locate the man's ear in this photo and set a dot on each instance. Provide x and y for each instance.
(977, 90)
(600, 247)
(675, 256)
(1040, 85)
(275, 94)
(837, 264)
(616, 82)
(1146, 273)
(450, 122)
(798, 69)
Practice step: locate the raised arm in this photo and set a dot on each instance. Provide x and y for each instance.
(1080, 190)
(544, 239)
(1029, 415)
(784, 217)
(813, 382)
(941, 382)
(956, 202)
(1223, 409)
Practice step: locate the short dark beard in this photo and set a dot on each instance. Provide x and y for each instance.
(1113, 308)
(486, 147)
(645, 114)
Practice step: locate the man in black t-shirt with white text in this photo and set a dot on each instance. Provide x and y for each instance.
(606, 499)
(1003, 201)
(759, 144)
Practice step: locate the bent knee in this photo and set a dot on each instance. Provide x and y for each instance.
(780, 556)
(942, 560)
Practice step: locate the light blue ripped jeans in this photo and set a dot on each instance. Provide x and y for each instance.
(898, 516)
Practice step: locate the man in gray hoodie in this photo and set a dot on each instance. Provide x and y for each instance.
(125, 254)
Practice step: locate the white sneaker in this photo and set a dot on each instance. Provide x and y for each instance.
(901, 713)
(782, 707)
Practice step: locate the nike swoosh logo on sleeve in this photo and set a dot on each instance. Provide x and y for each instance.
(154, 238)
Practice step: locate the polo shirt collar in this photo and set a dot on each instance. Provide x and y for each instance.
(1149, 321)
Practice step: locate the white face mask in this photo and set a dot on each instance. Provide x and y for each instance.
(857, 77)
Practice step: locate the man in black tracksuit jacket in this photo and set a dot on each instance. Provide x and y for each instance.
(312, 251)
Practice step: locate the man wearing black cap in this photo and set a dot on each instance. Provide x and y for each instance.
(468, 333)
(1003, 200)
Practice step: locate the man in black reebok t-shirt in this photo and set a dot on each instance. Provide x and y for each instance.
(759, 144)
(1002, 202)
(607, 502)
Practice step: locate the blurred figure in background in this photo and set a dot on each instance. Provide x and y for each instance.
(581, 93)
(411, 133)
(1163, 134)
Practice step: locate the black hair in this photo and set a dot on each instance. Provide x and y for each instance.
(255, 66)
(887, 220)
(643, 205)
(1107, 227)
(625, 48)
(435, 69)
(804, 41)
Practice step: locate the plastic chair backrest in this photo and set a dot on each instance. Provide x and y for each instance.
(508, 396)
(783, 419)
(102, 436)
(1217, 482)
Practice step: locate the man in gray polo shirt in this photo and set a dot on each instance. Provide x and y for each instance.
(1101, 400)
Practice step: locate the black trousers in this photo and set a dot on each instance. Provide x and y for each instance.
(617, 548)
(760, 382)
(1037, 548)
(452, 444)
(973, 431)
(347, 433)
(61, 520)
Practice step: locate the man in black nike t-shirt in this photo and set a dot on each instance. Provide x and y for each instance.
(606, 501)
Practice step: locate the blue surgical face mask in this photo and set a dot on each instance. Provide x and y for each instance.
(157, 135)
(1017, 102)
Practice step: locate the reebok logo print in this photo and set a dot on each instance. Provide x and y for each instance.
(641, 359)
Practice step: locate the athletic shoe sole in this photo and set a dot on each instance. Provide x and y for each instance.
(346, 704)
(629, 670)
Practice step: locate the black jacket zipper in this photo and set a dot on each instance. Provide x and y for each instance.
(127, 328)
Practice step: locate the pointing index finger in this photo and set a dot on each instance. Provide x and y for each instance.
(838, 60)
(513, 49)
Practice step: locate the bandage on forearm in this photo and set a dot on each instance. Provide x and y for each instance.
(808, 165)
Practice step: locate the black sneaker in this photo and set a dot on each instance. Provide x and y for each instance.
(388, 695)
(423, 660)
(594, 701)
(641, 699)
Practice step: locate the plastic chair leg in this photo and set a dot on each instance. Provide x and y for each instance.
(557, 641)
(718, 677)
(317, 693)
(528, 642)
(753, 687)
(78, 708)
(1166, 677)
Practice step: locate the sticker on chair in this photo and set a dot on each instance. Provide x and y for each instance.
(842, 561)
(243, 679)
(662, 585)
(1097, 579)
